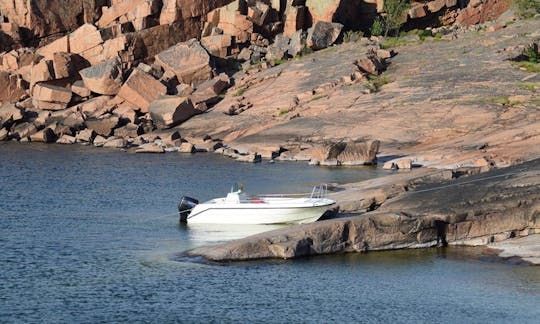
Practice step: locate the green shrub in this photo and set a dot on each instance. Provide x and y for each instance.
(352, 36)
(239, 92)
(377, 29)
(531, 52)
(392, 18)
(526, 8)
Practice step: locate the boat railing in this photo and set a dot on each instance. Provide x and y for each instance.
(319, 191)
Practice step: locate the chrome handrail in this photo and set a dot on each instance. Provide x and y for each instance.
(320, 191)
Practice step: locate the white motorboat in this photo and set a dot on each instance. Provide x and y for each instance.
(239, 208)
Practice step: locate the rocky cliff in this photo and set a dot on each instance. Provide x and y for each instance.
(134, 73)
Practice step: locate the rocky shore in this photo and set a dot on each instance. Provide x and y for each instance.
(525, 248)
(411, 211)
(257, 80)
(456, 94)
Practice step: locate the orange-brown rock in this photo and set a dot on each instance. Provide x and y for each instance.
(217, 45)
(42, 71)
(189, 61)
(436, 5)
(362, 153)
(9, 113)
(51, 97)
(141, 89)
(79, 89)
(232, 20)
(295, 17)
(370, 64)
(47, 17)
(104, 125)
(209, 91)
(103, 78)
(67, 65)
(323, 34)
(169, 111)
(116, 10)
(417, 11)
(45, 135)
(479, 12)
(12, 87)
(323, 10)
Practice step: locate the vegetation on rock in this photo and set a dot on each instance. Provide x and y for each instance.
(392, 19)
(526, 8)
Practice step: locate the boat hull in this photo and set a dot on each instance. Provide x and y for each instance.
(248, 214)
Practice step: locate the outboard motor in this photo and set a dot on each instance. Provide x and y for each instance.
(185, 206)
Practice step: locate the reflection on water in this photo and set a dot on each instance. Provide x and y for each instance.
(216, 233)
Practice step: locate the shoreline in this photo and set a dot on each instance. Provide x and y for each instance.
(500, 205)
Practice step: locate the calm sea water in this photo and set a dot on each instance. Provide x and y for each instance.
(91, 235)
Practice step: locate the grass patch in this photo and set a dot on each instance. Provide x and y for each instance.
(239, 92)
(317, 97)
(279, 62)
(531, 86)
(535, 102)
(528, 66)
(283, 112)
(351, 36)
(499, 100)
(526, 8)
(375, 82)
(392, 42)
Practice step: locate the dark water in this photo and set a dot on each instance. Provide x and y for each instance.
(90, 235)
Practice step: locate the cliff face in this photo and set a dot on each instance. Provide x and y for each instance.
(476, 210)
(66, 86)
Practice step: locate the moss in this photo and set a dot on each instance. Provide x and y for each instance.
(375, 83)
(352, 36)
(526, 8)
(240, 92)
(528, 66)
(531, 86)
(500, 100)
(317, 97)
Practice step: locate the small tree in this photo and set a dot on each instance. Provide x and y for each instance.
(392, 19)
(526, 8)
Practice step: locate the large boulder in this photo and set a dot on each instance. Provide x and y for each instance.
(370, 64)
(478, 12)
(45, 135)
(170, 111)
(103, 126)
(23, 130)
(323, 34)
(323, 10)
(51, 97)
(66, 65)
(188, 60)
(209, 91)
(9, 113)
(141, 89)
(217, 45)
(278, 49)
(41, 71)
(12, 87)
(295, 19)
(47, 17)
(359, 153)
(104, 78)
(232, 20)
